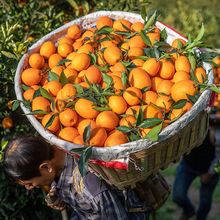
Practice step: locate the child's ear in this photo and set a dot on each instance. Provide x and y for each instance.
(46, 167)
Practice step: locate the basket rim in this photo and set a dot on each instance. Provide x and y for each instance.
(118, 151)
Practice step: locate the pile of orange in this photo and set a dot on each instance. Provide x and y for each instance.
(216, 71)
(102, 77)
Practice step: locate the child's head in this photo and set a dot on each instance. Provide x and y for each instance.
(27, 160)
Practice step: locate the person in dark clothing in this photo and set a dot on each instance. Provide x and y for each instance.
(199, 163)
(32, 162)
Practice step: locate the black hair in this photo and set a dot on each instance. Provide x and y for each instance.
(23, 156)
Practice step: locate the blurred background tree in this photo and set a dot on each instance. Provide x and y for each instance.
(23, 22)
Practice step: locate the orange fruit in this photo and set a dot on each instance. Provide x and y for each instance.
(167, 69)
(117, 83)
(71, 57)
(84, 123)
(78, 140)
(80, 62)
(138, 63)
(47, 49)
(68, 134)
(181, 89)
(178, 43)
(135, 52)
(59, 105)
(107, 43)
(74, 32)
(54, 59)
(155, 82)
(180, 75)
(70, 74)
(164, 87)
(31, 76)
(77, 44)
(85, 108)
(55, 126)
(40, 103)
(132, 95)
(66, 40)
(136, 41)
(68, 91)
(125, 46)
(88, 35)
(68, 117)
(150, 97)
(117, 104)
(176, 113)
(200, 74)
(100, 59)
(98, 137)
(86, 48)
(182, 64)
(107, 119)
(93, 74)
(133, 110)
(144, 131)
(64, 49)
(118, 67)
(139, 78)
(137, 26)
(57, 69)
(164, 102)
(152, 66)
(53, 87)
(112, 55)
(187, 106)
(7, 123)
(119, 24)
(154, 37)
(104, 21)
(29, 93)
(127, 121)
(36, 61)
(116, 138)
(151, 111)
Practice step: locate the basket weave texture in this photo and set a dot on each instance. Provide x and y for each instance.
(146, 157)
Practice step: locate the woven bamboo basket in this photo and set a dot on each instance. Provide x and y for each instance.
(145, 157)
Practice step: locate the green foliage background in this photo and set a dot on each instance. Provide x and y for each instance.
(23, 22)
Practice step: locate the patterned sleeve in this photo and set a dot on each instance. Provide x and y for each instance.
(109, 206)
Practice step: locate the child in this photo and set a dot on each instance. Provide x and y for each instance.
(200, 162)
(32, 162)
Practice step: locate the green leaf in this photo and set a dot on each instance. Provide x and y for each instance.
(87, 133)
(215, 89)
(15, 105)
(150, 122)
(50, 122)
(200, 34)
(123, 33)
(9, 55)
(4, 143)
(83, 161)
(27, 104)
(144, 13)
(145, 38)
(179, 104)
(124, 129)
(108, 80)
(70, 104)
(101, 109)
(151, 20)
(134, 136)
(37, 112)
(154, 132)
(24, 87)
(63, 79)
(192, 61)
(53, 76)
(104, 30)
(45, 93)
(61, 62)
(140, 117)
(79, 88)
(92, 57)
(124, 78)
(163, 34)
(36, 93)
(192, 98)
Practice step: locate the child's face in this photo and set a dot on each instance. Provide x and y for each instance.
(46, 178)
